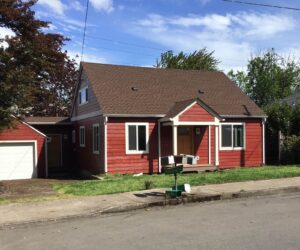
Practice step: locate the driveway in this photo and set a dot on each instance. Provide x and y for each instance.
(270, 222)
(22, 189)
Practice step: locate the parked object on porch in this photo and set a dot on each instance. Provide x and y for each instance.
(174, 192)
(186, 159)
(167, 160)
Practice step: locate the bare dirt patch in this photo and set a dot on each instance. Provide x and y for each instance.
(23, 189)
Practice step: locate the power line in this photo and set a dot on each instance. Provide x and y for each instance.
(84, 29)
(263, 5)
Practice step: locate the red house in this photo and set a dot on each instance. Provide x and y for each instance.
(124, 119)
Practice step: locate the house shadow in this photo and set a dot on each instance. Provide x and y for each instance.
(151, 194)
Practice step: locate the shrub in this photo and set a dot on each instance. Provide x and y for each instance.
(291, 149)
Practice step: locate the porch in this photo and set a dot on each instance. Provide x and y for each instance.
(198, 140)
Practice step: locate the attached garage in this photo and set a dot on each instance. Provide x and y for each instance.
(23, 153)
(18, 160)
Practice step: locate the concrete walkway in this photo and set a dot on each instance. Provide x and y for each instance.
(22, 213)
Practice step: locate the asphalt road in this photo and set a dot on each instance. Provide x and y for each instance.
(271, 222)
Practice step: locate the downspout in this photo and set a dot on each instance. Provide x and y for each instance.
(263, 140)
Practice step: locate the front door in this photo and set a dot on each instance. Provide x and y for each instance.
(54, 151)
(185, 142)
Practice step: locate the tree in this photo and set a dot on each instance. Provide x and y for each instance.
(199, 60)
(36, 76)
(269, 77)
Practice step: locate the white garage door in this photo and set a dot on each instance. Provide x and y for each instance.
(17, 161)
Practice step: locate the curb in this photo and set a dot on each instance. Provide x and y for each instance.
(189, 198)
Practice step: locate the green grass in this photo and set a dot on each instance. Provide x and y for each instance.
(125, 183)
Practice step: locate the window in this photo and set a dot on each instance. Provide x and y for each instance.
(83, 95)
(82, 136)
(136, 138)
(232, 136)
(96, 139)
(73, 136)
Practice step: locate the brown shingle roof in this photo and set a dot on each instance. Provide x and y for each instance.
(159, 89)
(47, 120)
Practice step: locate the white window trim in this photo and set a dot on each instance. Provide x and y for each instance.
(232, 136)
(73, 136)
(82, 144)
(79, 93)
(127, 138)
(98, 138)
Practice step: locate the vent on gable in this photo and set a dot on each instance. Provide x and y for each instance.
(200, 91)
(134, 89)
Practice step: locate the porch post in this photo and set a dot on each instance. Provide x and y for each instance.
(174, 140)
(217, 145)
(209, 145)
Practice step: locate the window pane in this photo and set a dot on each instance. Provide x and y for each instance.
(226, 136)
(238, 136)
(142, 138)
(132, 137)
(86, 94)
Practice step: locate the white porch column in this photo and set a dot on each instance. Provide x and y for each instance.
(217, 145)
(174, 140)
(209, 145)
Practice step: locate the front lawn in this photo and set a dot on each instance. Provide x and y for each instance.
(125, 183)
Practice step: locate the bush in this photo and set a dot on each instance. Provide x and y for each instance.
(291, 149)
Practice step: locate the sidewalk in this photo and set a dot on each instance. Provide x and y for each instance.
(22, 213)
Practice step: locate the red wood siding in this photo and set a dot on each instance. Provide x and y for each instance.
(22, 132)
(86, 159)
(201, 144)
(252, 155)
(196, 114)
(118, 161)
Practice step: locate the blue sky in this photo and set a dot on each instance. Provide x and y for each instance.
(135, 32)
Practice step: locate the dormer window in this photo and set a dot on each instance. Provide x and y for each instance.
(83, 95)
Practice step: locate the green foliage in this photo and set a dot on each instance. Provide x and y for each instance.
(127, 183)
(36, 76)
(284, 118)
(291, 149)
(269, 77)
(198, 60)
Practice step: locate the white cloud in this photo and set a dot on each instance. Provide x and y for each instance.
(103, 5)
(55, 5)
(76, 5)
(264, 25)
(233, 37)
(87, 57)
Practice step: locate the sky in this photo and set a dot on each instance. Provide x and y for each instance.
(136, 32)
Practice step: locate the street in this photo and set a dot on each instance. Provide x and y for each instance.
(270, 222)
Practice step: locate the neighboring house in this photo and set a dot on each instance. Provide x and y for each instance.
(291, 100)
(124, 119)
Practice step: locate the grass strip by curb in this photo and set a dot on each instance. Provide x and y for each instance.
(125, 183)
